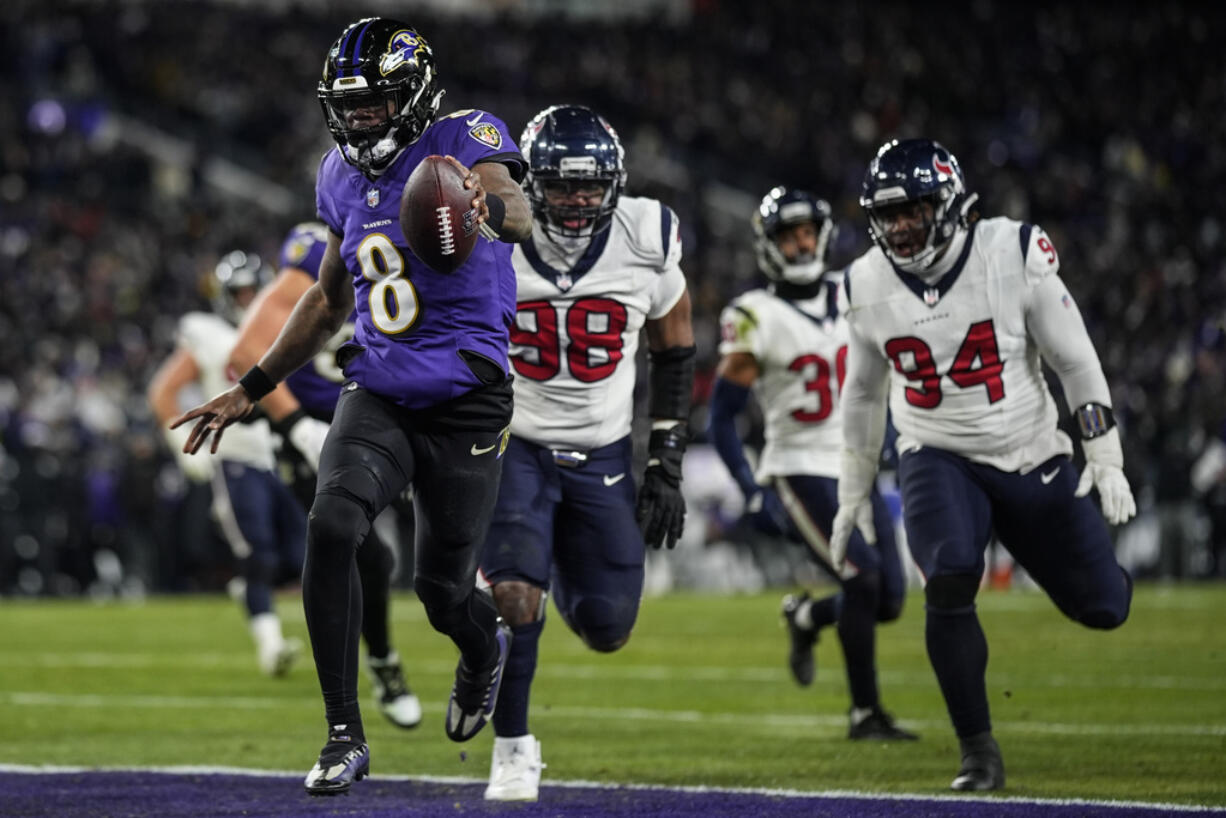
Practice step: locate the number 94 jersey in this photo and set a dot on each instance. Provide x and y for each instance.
(801, 350)
(576, 328)
(965, 374)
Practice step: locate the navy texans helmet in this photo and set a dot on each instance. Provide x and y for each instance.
(384, 64)
(783, 208)
(569, 145)
(237, 271)
(915, 170)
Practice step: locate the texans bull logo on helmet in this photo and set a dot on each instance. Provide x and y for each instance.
(944, 168)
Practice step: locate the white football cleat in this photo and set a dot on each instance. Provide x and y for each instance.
(278, 657)
(396, 701)
(515, 769)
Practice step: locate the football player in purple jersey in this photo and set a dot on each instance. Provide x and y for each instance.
(950, 317)
(300, 410)
(427, 398)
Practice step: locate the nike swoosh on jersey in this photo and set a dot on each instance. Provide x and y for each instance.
(610, 480)
(1047, 478)
(474, 451)
(475, 119)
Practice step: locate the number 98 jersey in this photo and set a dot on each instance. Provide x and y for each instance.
(965, 374)
(801, 350)
(577, 323)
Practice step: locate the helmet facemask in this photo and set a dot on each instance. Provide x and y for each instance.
(782, 209)
(576, 172)
(399, 82)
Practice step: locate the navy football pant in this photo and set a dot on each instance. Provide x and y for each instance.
(951, 507)
(263, 526)
(374, 450)
(571, 531)
(872, 585)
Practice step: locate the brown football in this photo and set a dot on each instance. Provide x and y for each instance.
(436, 215)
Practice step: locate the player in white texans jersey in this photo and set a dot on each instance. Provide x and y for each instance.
(600, 267)
(256, 513)
(788, 343)
(951, 317)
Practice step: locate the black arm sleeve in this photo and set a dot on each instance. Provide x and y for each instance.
(672, 382)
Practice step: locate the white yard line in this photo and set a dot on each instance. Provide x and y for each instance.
(768, 722)
(24, 769)
(660, 673)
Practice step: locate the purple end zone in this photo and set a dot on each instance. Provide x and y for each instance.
(188, 795)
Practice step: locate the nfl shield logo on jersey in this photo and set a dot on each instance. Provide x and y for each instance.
(372, 197)
(563, 281)
(931, 296)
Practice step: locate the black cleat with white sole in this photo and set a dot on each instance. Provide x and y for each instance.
(983, 768)
(342, 761)
(475, 694)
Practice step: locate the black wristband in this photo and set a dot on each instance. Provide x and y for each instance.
(498, 212)
(256, 383)
(1094, 420)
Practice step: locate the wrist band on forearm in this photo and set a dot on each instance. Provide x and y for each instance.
(498, 212)
(256, 383)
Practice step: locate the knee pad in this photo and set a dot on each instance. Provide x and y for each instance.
(520, 603)
(951, 594)
(337, 518)
(889, 609)
(1107, 617)
(602, 623)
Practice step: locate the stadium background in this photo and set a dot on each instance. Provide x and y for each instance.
(138, 141)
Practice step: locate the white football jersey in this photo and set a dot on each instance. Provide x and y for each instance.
(577, 326)
(208, 339)
(801, 349)
(965, 375)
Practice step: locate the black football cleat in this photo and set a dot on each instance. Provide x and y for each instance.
(800, 652)
(474, 695)
(983, 768)
(341, 762)
(878, 725)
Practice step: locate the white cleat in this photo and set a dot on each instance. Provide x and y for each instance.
(396, 701)
(276, 659)
(515, 769)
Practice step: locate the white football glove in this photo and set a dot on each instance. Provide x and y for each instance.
(1105, 471)
(307, 436)
(857, 473)
(197, 467)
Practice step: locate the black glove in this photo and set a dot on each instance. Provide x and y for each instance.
(661, 508)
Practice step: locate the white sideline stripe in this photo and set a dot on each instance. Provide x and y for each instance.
(662, 673)
(773, 721)
(48, 769)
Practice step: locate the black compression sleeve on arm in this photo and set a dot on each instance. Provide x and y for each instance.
(672, 382)
(498, 212)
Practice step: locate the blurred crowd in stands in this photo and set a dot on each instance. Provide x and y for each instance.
(139, 141)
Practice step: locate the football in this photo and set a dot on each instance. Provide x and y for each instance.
(436, 215)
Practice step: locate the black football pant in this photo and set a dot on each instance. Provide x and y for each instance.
(451, 454)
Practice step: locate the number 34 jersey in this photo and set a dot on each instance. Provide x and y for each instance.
(577, 323)
(965, 373)
(800, 348)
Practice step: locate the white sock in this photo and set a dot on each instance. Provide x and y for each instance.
(266, 630)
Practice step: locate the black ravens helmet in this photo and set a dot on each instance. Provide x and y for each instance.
(781, 208)
(571, 148)
(379, 91)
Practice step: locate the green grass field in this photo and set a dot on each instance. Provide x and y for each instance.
(700, 696)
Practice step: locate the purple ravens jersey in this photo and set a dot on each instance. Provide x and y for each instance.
(317, 384)
(415, 326)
